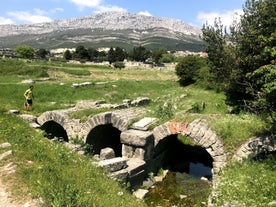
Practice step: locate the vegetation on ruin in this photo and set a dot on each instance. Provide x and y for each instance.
(38, 158)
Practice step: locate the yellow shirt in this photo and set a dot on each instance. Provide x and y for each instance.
(28, 94)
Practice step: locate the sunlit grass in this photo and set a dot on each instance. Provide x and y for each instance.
(55, 174)
(251, 183)
(76, 179)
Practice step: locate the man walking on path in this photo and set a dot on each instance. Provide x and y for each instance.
(29, 98)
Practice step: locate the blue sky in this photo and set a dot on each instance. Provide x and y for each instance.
(195, 12)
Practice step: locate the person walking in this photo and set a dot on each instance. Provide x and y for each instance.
(29, 96)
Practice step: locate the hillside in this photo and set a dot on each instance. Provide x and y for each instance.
(104, 30)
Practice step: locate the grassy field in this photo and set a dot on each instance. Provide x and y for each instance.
(80, 184)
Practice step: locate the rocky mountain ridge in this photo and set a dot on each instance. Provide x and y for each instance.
(106, 28)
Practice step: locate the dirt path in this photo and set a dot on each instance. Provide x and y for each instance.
(8, 169)
(4, 196)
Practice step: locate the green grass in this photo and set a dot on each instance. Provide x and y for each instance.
(79, 182)
(57, 175)
(251, 183)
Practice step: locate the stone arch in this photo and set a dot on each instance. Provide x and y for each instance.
(57, 116)
(103, 136)
(54, 122)
(53, 129)
(200, 133)
(104, 130)
(254, 146)
(118, 119)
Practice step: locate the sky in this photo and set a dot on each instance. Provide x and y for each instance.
(194, 12)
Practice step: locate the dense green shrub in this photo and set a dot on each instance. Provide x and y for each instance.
(187, 69)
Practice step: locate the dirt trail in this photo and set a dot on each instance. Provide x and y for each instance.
(7, 170)
(4, 196)
(6, 199)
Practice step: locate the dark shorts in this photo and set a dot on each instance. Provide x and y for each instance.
(29, 101)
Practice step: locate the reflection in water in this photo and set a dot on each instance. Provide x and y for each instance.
(179, 189)
(186, 164)
(199, 170)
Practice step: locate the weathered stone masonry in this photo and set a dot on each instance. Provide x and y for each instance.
(140, 143)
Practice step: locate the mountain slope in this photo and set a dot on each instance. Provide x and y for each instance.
(105, 30)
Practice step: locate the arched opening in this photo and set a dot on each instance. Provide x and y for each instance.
(103, 136)
(54, 131)
(187, 164)
(178, 154)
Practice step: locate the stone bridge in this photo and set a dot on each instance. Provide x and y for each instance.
(127, 132)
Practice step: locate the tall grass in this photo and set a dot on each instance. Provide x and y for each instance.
(57, 175)
(43, 164)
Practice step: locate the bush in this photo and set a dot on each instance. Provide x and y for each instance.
(165, 112)
(119, 65)
(187, 69)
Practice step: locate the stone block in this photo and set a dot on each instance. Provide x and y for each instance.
(140, 101)
(140, 153)
(5, 145)
(107, 153)
(220, 158)
(144, 123)
(136, 138)
(112, 165)
(5, 154)
(119, 175)
(135, 166)
(140, 193)
(127, 151)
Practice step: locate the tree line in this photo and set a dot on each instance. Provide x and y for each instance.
(114, 56)
(241, 59)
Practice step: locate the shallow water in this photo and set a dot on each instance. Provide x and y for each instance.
(182, 189)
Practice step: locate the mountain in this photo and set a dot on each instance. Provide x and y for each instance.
(108, 29)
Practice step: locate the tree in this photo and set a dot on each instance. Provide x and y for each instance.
(93, 54)
(220, 55)
(42, 53)
(140, 54)
(111, 56)
(187, 69)
(67, 55)
(168, 58)
(102, 56)
(120, 54)
(25, 51)
(265, 97)
(255, 41)
(81, 53)
(244, 60)
(157, 55)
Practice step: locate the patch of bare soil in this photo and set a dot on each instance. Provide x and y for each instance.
(7, 174)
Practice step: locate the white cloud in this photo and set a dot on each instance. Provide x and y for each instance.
(55, 10)
(86, 3)
(145, 13)
(5, 21)
(100, 9)
(97, 6)
(226, 18)
(27, 17)
(40, 11)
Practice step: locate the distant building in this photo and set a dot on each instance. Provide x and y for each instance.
(7, 52)
(187, 53)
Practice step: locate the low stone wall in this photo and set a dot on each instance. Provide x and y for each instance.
(254, 146)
